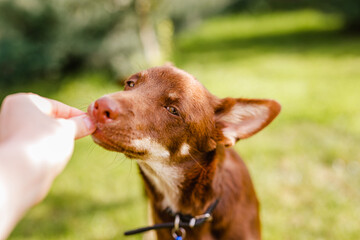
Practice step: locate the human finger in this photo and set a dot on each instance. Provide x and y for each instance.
(84, 126)
(54, 108)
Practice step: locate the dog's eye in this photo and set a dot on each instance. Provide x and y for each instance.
(130, 83)
(172, 110)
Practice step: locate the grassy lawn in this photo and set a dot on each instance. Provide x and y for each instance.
(305, 166)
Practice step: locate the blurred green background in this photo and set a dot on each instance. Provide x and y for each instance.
(305, 54)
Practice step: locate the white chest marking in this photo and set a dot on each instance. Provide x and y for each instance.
(166, 178)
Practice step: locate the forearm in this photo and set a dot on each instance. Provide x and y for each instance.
(16, 193)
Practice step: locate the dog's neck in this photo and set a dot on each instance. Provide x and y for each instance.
(183, 184)
(165, 182)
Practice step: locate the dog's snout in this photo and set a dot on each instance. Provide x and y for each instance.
(105, 109)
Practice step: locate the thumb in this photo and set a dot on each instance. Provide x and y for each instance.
(84, 126)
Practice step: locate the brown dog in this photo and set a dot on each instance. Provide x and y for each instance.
(180, 136)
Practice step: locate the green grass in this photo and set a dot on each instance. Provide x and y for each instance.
(305, 165)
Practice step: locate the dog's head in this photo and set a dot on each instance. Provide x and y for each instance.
(165, 112)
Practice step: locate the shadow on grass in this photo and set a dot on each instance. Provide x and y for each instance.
(60, 214)
(314, 42)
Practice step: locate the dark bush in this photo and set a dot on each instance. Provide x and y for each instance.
(42, 39)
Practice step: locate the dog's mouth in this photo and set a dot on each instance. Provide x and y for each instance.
(123, 146)
(110, 137)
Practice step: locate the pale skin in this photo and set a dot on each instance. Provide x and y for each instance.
(36, 142)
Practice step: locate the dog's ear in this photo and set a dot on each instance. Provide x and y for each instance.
(241, 118)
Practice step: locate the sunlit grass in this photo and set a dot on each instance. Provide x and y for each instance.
(305, 165)
(228, 28)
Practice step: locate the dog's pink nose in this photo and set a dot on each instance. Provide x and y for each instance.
(105, 109)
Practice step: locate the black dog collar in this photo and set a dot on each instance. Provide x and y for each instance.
(180, 222)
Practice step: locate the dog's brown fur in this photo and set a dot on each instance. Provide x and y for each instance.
(180, 135)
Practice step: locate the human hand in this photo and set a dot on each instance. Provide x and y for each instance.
(36, 141)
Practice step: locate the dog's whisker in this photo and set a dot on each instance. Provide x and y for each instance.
(203, 169)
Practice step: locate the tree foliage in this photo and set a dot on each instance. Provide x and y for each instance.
(45, 38)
